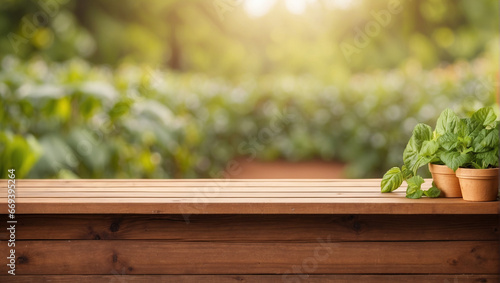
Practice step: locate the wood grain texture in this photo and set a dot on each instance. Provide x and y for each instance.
(258, 228)
(220, 196)
(161, 257)
(115, 230)
(194, 195)
(119, 278)
(197, 182)
(254, 206)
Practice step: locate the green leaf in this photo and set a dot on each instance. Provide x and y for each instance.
(455, 159)
(392, 180)
(411, 155)
(448, 141)
(429, 148)
(415, 195)
(488, 158)
(485, 116)
(414, 187)
(468, 127)
(447, 122)
(416, 162)
(407, 174)
(433, 192)
(485, 140)
(422, 132)
(414, 183)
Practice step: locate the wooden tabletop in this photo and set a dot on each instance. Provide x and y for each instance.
(219, 196)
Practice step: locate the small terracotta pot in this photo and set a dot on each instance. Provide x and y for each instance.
(478, 184)
(445, 180)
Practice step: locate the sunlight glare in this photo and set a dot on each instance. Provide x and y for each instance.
(258, 8)
(297, 6)
(340, 4)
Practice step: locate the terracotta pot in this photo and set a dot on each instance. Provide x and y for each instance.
(446, 181)
(478, 184)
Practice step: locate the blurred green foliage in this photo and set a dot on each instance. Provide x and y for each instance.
(170, 89)
(190, 36)
(94, 122)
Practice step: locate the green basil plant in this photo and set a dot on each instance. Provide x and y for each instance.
(456, 142)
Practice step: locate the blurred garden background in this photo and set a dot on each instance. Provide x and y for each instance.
(198, 88)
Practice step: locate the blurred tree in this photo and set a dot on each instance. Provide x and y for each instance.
(191, 35)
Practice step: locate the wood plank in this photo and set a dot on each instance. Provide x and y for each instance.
(208, 189)
(160, 257)
(118, 277)
(198, 195)
(258, 228)
(251, 206)
(253, 200)
(198, 182)
(201, 180)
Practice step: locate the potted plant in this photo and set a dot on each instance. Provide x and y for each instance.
(471, 149)
(422, 149)
(443, 176)
(446, 180)
(448, 147)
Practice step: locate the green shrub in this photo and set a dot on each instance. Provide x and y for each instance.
(132, 122)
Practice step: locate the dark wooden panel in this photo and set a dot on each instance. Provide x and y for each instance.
(160, 257)
(118, 278)
(259, 228)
